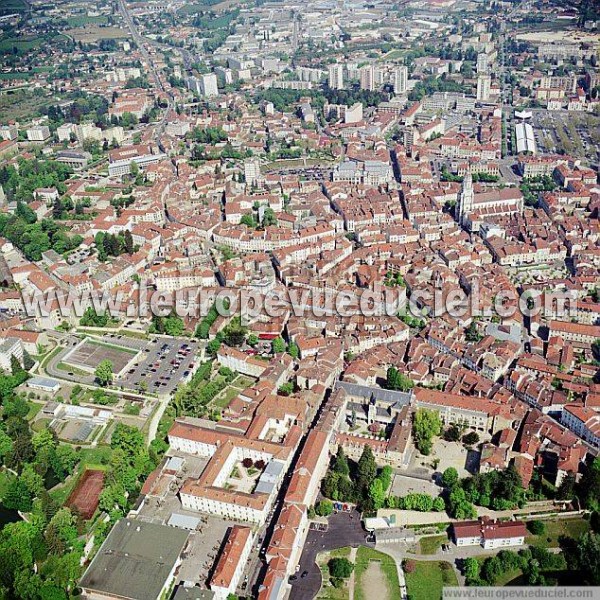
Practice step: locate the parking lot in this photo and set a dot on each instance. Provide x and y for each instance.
(567, 132)
(164, 364)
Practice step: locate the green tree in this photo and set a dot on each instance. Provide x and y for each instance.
(340, 568)
(340, 464)
(450, 477)
(398, 381)
(471, 570)
(6, 445)
(588, 489)
(536, 527)
(366, 471)
(278, 346)
(426, 425)
(17, 496)
(324, 508)
(471, 438)
(452, 434)
(566, 489)
(104, 372)
(376, 494)
(588, 549)
(293, 350)
(174, 325)
(127, 438)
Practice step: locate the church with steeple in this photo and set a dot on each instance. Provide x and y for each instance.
(475, 208)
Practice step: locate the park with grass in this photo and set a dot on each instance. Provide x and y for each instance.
(361, 573)
(425, 580)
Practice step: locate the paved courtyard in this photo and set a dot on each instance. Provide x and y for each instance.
(449, 454)
(404, 484)
(345, 529)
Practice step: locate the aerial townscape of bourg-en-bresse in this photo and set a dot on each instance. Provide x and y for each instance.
(299, 300)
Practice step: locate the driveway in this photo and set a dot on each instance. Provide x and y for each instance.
(345, 529)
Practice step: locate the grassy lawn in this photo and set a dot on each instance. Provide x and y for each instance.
(81, 21)
(22, 44)
(34, 409)
(61, 366)
(573, 528)
(225, 397)
(9, 6)
(327, 591)
(242, 382)
(431, 544)
(95, 458)
(20, 104)
(388, 567)
(62, 491)
(41, 424)
(428, 579)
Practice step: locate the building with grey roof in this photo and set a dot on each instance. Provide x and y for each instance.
(137, 561)
(193, 593)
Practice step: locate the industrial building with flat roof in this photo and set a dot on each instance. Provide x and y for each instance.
(137, 561)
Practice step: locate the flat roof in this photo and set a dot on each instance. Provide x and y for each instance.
(183, 521)
(135, 560)
(43, 382)
(193, 593)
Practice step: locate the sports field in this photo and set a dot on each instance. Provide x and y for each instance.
(84, 498)
(88, 355)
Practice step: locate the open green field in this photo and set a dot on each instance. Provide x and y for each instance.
(573, 528)
(34, 409)
(83, 20)
(328, 591)
(20, 104)
(12, 6)
(24, 76)
(428, 579)
(431, 544)
(22, 44)
(375, 567)
(94, 33)
(225, 397)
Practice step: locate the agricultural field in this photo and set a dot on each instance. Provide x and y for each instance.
(8, 7)
(21, 45)
(93, 33)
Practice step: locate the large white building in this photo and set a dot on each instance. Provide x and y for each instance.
(336, 77)
(209, 85)
(400, 80)
(367, 78)
(484, 83)
(41, 133)
(213, 492)
(583, 422)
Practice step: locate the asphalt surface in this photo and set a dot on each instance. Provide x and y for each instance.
(345, 529)
(164, 364)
